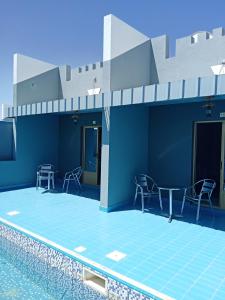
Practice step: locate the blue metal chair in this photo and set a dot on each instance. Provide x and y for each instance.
(146, 188)
(74, 176)
(200, 191)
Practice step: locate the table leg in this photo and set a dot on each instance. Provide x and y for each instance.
(184, 198)
(171, 206)
(49, 181)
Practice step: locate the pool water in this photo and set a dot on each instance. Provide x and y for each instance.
(16, 285)
(24, 277)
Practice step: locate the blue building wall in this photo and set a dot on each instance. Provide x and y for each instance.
(70, 137)
(42, 139)
(171, 130)
(37, 143)
(105, 159)
(128, 152)
(7, 143)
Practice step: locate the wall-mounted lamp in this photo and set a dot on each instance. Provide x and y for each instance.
(75, 119)
(208, 106)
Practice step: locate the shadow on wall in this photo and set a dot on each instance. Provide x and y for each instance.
(36, 143)
(45, 86)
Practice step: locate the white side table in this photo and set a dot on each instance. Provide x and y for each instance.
(170, 190)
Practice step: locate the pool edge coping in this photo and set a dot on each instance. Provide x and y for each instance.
(133, 284)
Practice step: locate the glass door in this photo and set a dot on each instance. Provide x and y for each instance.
(91, 154)
(222, 169)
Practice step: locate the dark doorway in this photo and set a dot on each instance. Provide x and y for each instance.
(208, 154)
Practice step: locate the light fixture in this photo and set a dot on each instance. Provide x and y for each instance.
(95, 91)
(75, 119)
(219, 69)
(208, 106)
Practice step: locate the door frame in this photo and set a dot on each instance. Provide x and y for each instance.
(92, 177)
(222, 160)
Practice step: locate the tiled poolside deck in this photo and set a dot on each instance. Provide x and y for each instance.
(181, 259)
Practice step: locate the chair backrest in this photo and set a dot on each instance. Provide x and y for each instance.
(146, 182)
(206, 186)
(152, 186)
(78, 172)
(46, 167)
(141, 180)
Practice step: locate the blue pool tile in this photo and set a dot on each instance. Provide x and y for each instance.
(198, 293)
(175, 291)
(220, 295)
(168, 257)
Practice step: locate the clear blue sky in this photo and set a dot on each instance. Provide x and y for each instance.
(70, 31)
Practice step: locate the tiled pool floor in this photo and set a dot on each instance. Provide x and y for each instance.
(180, 259)
(18, 286)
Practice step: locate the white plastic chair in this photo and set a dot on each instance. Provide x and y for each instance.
(46, 172)
(146, 188)
(205, 187)
(73, 175)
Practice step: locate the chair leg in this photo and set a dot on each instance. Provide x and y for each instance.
(160, 201)
(211, 206)
(67, 187)
(49, 181)
(79, 185)
(210, 203)
(53, 181)
(183, 202)
(142, 203)
(135, 198)
(198, 209)
(149, 200)
(64, 182)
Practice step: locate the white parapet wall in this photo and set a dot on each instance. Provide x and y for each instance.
(3, 111)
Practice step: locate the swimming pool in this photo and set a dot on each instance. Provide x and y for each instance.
(24, 276)
(180, 261)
